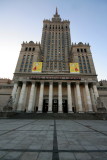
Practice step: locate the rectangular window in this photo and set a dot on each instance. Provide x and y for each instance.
(90, 71)
(25, 66)
(85, 71)
(81, 50)
(85, 50)
(81, 71)
(26, 48)
(33, 49)
(30, 66)
(29, 49)
(77, 49)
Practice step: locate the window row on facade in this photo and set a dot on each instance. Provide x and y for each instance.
(29, 49)
(81, 50)
(84, 64)
(55, 27)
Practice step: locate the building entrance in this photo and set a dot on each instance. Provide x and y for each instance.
(55, 106)
(45, 105)
(64, 106)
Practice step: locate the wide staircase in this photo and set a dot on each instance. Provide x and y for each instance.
(78, 116)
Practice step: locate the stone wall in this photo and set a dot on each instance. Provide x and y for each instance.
(103, 95)
(5, 92)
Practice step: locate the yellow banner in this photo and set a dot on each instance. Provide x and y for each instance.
(37, 67)
(74, 68)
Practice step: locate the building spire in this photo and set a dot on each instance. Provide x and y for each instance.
(56, 11)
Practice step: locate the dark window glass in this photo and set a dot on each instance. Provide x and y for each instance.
(26, 48)
(81, 50)
(77, 49)
(85, 71)
(81, 71)
(85, 50)
(33, 49)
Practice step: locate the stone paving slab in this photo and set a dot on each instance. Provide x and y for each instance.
(53, 139)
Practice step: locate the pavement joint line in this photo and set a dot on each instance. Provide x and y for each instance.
(43, 150)
(91, 128)
(55, 155)
(52, 130)
(16, 128)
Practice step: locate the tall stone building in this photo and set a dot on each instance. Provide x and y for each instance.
(55, 88)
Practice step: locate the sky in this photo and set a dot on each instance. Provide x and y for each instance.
(22, 20)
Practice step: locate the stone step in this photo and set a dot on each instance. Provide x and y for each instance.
(78, 116)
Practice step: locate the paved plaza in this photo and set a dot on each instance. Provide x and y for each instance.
(53, 139)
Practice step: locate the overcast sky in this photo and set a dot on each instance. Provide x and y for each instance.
(21, 20)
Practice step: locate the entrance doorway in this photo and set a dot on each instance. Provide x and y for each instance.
(64, 106)
(55, 106)
(45, 105)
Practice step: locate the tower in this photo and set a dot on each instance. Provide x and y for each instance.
(56, 44)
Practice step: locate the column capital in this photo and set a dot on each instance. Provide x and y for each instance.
(24, 82)
(77, 83)
(68, 82)
(15, 82)
(86, 83)
(33, 82)
(59, 82)
(41, 82)
(51, 82)
(94, 83)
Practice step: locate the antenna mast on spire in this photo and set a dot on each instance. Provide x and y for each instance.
(56, 11)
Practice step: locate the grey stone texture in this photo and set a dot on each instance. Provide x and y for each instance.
(34, 139)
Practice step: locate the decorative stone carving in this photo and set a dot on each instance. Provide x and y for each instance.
(100, 105)
(8, 106)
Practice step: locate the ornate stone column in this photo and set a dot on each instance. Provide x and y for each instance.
(22, 97)
(88, 98)
(50, 97)
(17, 98)
(14, 92)
(69, 97)
(95, 91)
(93, 99)
(31, 98)
(79, 101)
(59, 97)
(40, 104)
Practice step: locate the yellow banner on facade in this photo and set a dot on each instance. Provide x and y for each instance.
(37, 67)
(74, 68)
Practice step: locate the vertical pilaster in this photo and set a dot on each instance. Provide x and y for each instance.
(50, 96)
(22, 97)
(60, 97)
(79, 100)
(69, 97)
(31, 98)
(88, 98)
(40, 104)
(93, 99)
(95, 91)
(14, 92)
(17, 98)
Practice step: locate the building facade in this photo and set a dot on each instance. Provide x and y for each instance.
(55, 88)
